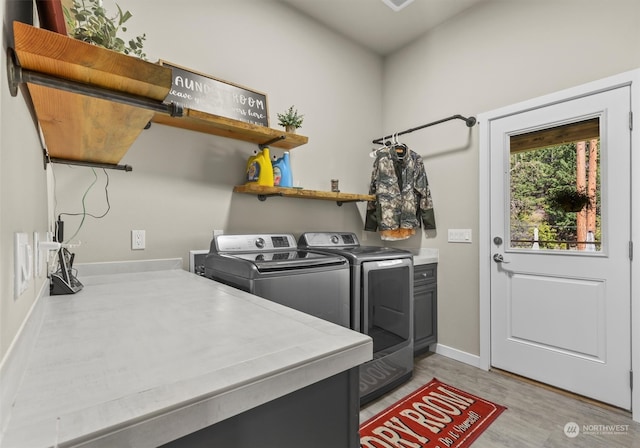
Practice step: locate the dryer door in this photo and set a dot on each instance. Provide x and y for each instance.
(387, 303)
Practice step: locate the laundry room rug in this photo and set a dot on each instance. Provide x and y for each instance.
(435, 416)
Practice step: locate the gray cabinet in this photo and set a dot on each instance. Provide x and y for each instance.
(321, 415)
(425, 307)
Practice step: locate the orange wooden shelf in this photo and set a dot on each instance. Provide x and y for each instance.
(195, 120)
(79, 127)
(263, 192)
(85, 128)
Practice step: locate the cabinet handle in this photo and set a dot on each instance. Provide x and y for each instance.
(424, 274)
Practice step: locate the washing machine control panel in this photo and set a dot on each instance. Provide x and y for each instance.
(258, 242)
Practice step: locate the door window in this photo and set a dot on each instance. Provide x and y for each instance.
(554, 191)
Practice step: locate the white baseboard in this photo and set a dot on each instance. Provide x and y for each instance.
(458, 355)
(14, 363)
(127, 267)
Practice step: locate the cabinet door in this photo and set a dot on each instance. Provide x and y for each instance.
(425, 317)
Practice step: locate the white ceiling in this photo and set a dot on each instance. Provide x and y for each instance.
(376, 26)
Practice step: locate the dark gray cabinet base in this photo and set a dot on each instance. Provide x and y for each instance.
(425, 307)
(322, 415)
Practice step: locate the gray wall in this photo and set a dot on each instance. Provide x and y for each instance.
(493, 55)
(23, 188)
(180, 190)
(181, 187)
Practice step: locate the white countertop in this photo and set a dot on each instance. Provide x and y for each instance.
(425, 255)
(139, 359)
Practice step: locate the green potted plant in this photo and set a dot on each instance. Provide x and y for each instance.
(87, 21)
(568, 198)
(290, 120)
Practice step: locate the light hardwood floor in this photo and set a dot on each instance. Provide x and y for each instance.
(535, 417)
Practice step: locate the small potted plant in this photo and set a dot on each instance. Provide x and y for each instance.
(290, 120)
(87, 21)
(569, 199)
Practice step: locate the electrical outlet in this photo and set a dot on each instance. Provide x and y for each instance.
(138, 240)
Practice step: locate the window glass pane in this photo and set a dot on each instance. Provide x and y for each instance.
(555, 189)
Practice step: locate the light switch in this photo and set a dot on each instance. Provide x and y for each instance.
(459, 236)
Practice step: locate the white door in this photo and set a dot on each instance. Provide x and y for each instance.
(560, 281)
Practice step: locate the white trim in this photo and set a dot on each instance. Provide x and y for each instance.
(635, 236)
(127, 267)
(458, 355)
(192, 258)
(397, 5)
(631, 78)
(484, 234)
(15, 360)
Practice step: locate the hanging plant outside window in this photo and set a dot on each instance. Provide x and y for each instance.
(569, 199)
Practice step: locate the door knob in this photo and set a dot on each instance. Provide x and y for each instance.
(498, 258)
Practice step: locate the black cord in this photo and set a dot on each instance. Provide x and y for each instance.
(84, 213)
(106, 194)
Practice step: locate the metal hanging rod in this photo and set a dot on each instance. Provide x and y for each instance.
(470, 121)
(17, 75)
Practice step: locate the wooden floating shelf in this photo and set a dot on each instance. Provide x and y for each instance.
(198, 121)
(80, 127)
(87, 128)
(263, 192)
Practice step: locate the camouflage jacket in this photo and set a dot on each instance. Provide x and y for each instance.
(403, 199)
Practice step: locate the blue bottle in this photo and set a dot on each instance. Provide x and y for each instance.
(282, 176)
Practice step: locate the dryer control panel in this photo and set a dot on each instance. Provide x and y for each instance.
(328, 239)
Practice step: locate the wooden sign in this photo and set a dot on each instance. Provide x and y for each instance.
(205, 93)
(51, 16)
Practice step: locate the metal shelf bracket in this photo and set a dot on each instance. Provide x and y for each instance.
(266, 144)
(110, 166)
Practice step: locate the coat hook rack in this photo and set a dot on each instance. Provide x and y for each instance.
(470, 122)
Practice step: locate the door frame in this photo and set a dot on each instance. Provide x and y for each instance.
(630, 78)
